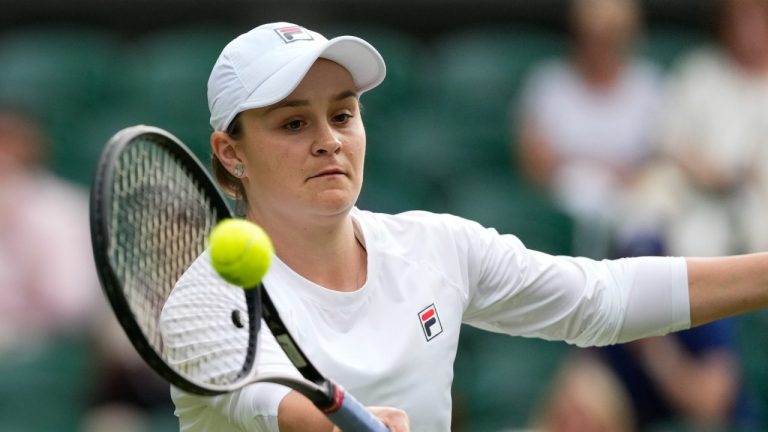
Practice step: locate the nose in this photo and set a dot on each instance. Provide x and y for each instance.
(326, 142)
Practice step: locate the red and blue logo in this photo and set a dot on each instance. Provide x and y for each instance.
(430, 322)
(293, 34)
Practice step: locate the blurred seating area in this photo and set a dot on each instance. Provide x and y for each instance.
(438, 139)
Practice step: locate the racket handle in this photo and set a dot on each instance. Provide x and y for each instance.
(351, 416)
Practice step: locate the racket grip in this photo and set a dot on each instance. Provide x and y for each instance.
(352, 416)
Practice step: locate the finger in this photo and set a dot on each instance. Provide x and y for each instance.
(396, 420)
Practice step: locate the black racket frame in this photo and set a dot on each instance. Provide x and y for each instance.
(258, 300)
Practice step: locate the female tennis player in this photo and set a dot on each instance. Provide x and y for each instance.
(377, 300)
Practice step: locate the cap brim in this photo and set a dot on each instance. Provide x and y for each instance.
(364, 63)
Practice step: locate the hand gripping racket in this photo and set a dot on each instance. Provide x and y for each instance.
(153, 206)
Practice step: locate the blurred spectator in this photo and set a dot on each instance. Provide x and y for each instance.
(712, 195)
(690, 378)
(720, 147)
(48, 285)
(49, 290)
(709, 191)
(586, 397)
(586, 122)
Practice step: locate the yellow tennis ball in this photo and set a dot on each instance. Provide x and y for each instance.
(241, 252)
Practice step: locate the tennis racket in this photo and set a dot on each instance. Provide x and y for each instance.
(152, 208)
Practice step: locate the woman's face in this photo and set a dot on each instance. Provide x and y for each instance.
(304, 155)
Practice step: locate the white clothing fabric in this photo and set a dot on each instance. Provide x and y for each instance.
(717, 111)
(598, 135)
(377, 341)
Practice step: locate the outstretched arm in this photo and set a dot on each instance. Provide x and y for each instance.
(722, 287)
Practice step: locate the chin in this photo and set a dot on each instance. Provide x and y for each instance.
(335, 202)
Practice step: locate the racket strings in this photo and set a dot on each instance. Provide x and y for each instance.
(160, 220)
(200, 337)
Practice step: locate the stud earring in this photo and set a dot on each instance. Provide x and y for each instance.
(239, 170)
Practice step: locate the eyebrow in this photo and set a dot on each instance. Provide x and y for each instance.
(345, 94)
(303, 102)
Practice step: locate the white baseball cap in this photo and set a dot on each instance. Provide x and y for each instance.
(265, 65)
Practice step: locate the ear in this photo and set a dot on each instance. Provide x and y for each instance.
(226, 150)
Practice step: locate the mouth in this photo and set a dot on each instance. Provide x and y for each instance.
(328, 172)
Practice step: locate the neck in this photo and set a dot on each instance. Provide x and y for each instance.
(600, 74)
(323, 250)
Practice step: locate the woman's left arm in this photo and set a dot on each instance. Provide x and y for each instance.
(726, 286)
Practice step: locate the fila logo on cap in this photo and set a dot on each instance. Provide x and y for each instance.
(293, 34)
(430, 322)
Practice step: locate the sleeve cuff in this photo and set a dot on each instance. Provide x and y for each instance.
(658, 302)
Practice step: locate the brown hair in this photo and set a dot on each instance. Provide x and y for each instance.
(230, 184)
(619, 15)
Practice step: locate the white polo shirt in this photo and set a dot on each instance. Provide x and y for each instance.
(393, 342)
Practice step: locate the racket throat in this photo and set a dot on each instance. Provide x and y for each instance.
(253, 299)
(337, 399)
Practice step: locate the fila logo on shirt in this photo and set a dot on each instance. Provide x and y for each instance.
(293, 34)
(430, 322)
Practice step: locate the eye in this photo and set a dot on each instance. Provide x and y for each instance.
(342, 118)
(293, 125)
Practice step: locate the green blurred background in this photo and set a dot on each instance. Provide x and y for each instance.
(438, 139)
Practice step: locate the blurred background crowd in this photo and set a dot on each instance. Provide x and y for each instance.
(600, 128)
